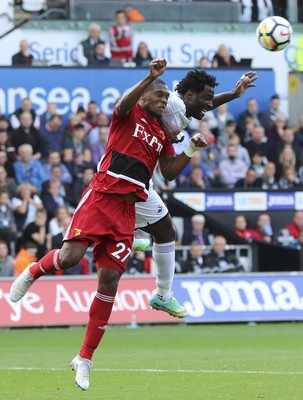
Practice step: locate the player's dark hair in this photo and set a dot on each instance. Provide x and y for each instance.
(196, 80)
(155, 83)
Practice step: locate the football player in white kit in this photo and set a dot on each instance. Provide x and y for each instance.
(194, 96)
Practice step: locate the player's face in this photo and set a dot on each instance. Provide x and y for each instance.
(154, 101)
(197, 104)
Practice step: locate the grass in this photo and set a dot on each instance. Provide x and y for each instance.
(193, 362)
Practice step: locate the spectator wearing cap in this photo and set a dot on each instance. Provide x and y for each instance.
(196, 231)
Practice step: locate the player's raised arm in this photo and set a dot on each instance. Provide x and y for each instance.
(246, 81)
(156, 68)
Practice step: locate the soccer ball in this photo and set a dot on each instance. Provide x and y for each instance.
(274, 33)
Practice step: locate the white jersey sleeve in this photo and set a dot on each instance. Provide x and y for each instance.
(175, 112)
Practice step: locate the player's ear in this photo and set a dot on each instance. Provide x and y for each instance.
(189, 94)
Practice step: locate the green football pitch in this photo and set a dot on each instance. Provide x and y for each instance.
(179, 362)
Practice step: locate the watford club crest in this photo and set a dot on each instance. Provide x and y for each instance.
(76, 232)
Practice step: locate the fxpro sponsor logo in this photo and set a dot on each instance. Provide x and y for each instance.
(299, 200)
(223, 201)
(280, 201)
(247, 201)
(240, 296)
(194, 200)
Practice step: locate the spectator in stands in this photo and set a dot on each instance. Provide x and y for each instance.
(98, 59)
(6, 261)
(77, 154)
(7, 146)
(195, 161)
(98, 148)
(27, 134)
(54, 159)
(296, 227)
(219, 261)
(143, 56)
(250, 181)
(263, 230)
(7, 220)
(195, 179)
(26, 106)
(50, 111)
(287, 159)
(51, 136)
(289, 179)
(52, 198)
(6, 182)
(92, 114)
(26, 255)
(223, 58)
(288, 138)
(196, 231)
(223, 115)
(37, 232)
(25, 204)
(27, 169)
(7, 164)
(79, 185)
(23, 57)
(210, 156)
(252, 112)
(73, 120)
(242, 152)
(268, 117)
(94, 134)
(83, 114)
(259, 143)
(121, 38)
(276, 133)
(258, 163)
(249, 127)
(299, 133)
(225, 135)
(87, 47)
(194, 262)
(268, 178)
(56, 224)
(232, 169)
(133, 15)
(204, 63)
(242, 230)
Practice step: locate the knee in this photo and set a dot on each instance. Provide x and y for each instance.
(69, 258)
(108, 280)
(166, 235)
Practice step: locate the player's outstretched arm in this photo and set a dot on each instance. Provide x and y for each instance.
(246, 81)
(172, 166)
(156, 68)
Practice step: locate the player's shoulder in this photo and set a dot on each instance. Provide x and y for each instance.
(175, 103)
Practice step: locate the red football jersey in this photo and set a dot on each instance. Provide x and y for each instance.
(134, 145)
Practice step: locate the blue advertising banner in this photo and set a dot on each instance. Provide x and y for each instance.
(71, 87)
(241, 201)
(236, 298)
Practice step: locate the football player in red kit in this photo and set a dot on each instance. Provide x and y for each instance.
(105, 215)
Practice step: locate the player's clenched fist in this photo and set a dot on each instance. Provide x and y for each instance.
(196, 143)
(157, 66)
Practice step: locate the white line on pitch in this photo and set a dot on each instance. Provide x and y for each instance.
(191, 371)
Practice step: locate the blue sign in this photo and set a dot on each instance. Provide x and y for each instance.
(219, 202)
(71, 87)
(235, 298)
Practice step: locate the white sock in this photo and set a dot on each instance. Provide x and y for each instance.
(164, 257)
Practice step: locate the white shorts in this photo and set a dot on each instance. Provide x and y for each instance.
(150, 211)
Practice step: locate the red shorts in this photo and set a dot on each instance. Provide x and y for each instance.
(107, 221)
